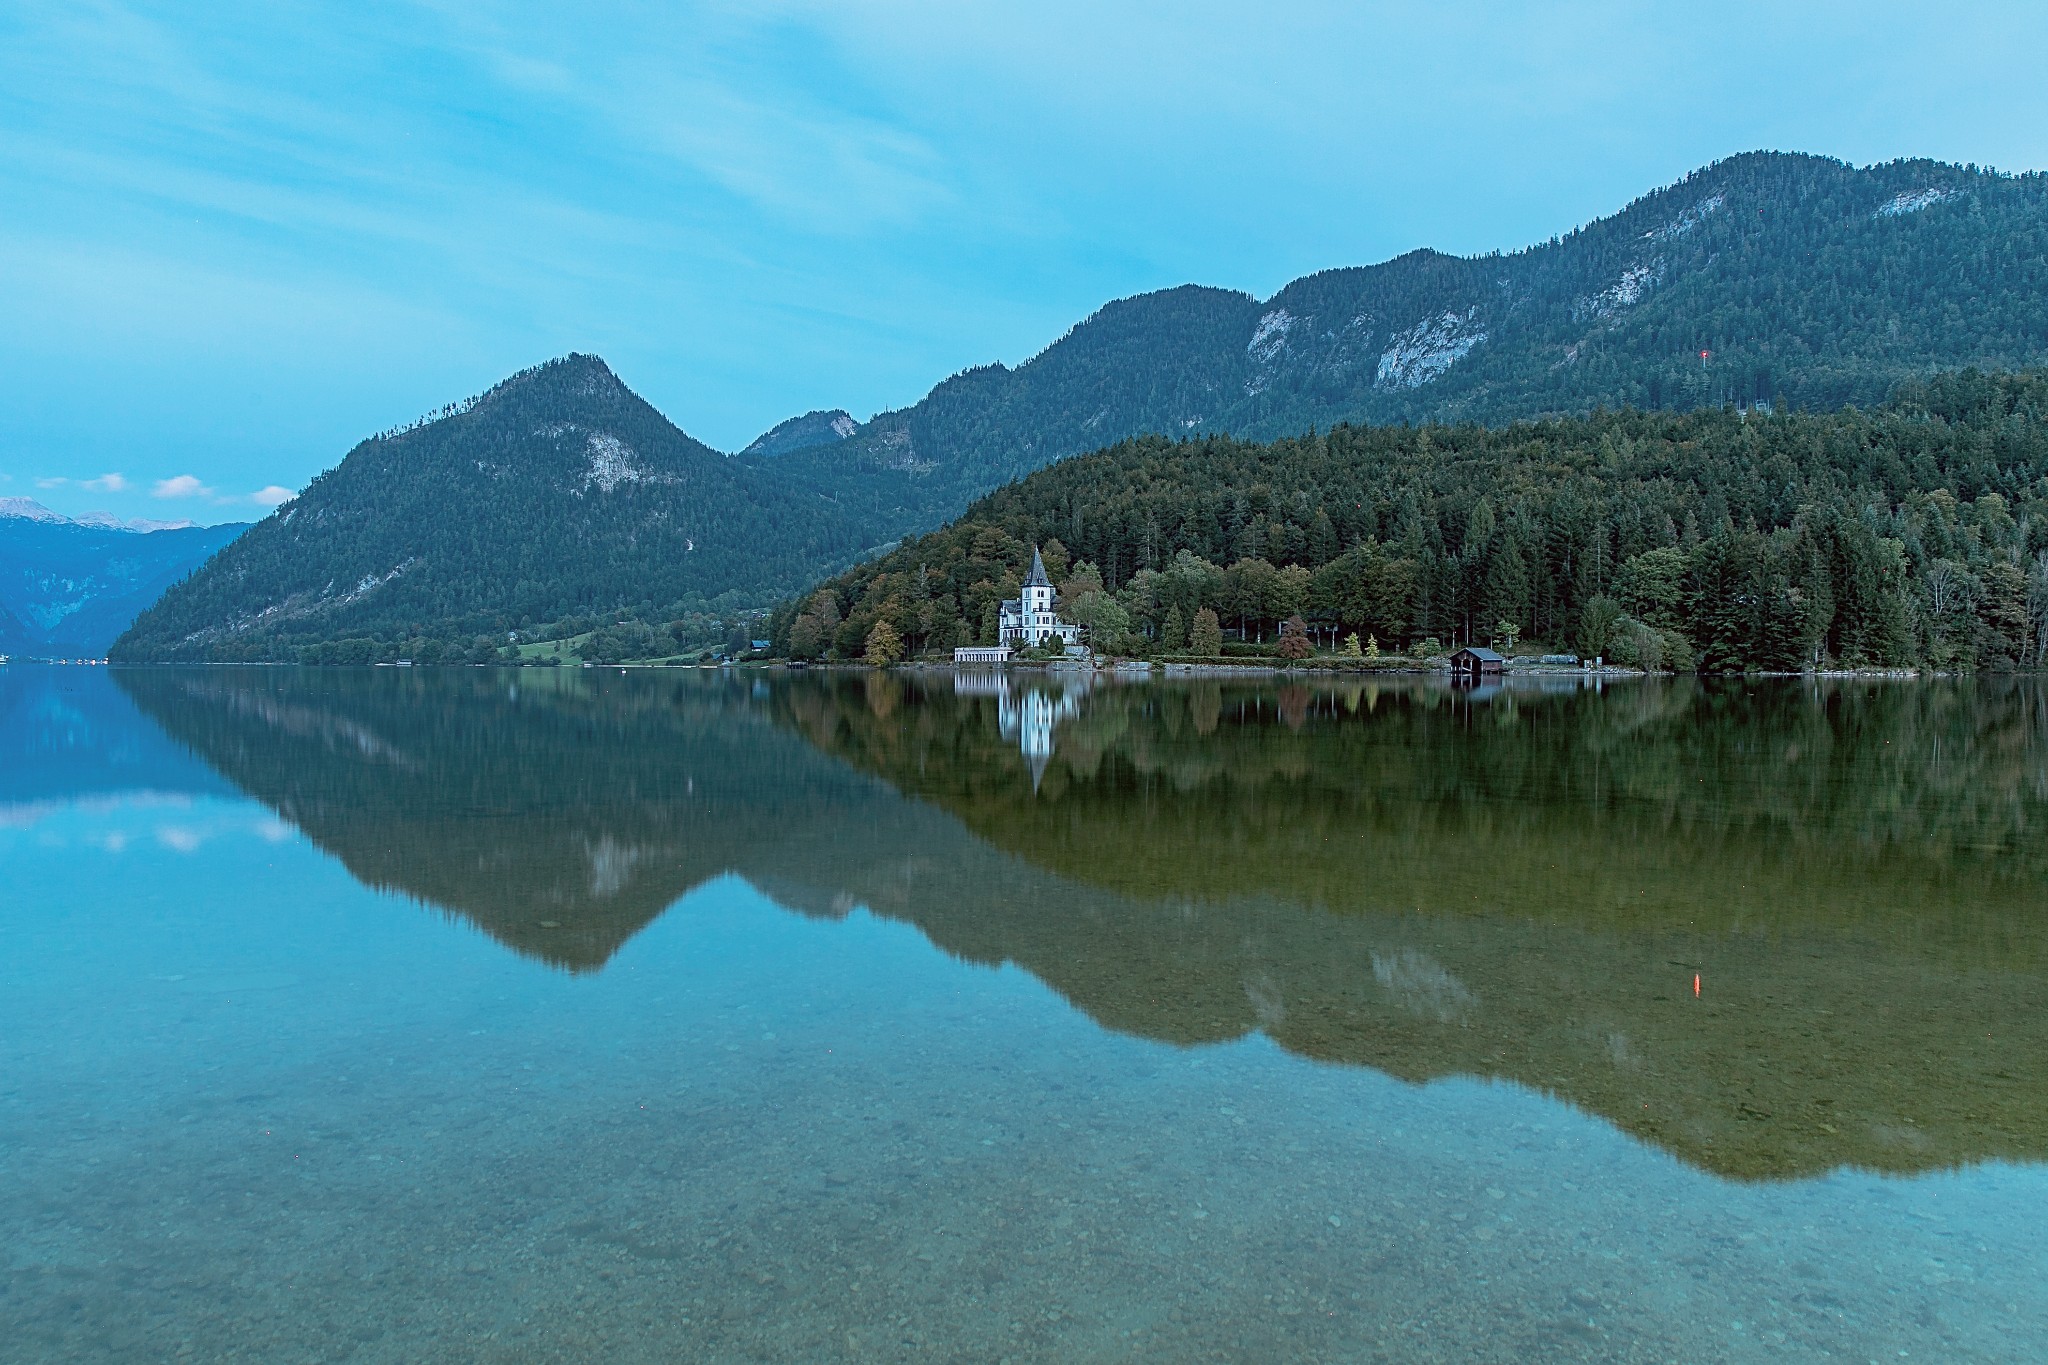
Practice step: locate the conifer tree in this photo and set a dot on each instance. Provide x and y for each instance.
(1173, 633)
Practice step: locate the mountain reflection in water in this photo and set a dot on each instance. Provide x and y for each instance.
(1773, 928)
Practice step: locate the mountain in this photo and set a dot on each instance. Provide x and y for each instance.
(69, 587)
(559, 491)
(28, 509)
(14, 632)
(1916, 532)
(813, 429)
(106, 521)
(1767, 278)
(1764, 282)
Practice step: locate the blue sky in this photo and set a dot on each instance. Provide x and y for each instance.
(238, 237)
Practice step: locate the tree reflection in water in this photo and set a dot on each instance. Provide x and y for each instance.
(1772, 927)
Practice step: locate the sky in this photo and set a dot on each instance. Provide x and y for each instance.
(238, 237)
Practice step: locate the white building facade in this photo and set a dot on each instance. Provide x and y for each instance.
(1028, 621)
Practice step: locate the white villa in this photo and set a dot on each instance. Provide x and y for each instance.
(1029, 621)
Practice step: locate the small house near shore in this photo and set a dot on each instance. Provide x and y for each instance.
(1473, 663)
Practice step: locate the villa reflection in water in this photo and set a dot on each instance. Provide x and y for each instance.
(1027, 712)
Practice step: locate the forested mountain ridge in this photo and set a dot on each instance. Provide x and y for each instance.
(1765, 278)
(558, 491)
(1913, 533)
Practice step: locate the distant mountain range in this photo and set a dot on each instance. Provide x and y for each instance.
(28, 509)
(1764, 280)
(70, 586)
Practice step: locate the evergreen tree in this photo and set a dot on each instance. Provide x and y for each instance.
(1173, 634)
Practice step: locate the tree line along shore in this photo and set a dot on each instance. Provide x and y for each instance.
(1913, 535)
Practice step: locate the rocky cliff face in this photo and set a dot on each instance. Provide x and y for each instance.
(813, 429)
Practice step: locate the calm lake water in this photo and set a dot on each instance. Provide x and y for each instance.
(477, 1015)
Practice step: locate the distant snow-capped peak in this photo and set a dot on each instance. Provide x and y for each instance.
(28, 509)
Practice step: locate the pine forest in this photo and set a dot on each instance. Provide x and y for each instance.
(1915, 533)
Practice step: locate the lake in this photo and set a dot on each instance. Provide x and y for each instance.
(576, 1014)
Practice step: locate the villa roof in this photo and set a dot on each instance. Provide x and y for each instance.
(1037, 578)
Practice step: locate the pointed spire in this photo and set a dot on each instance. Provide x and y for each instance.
(1037, 578)
(1037, 763)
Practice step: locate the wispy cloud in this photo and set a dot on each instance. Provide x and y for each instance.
(274, 228)
(276, 495)
(180, 838)
(105, 483)
(182, 486)
(822, 171)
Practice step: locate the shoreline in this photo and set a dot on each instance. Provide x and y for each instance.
(1130, 668)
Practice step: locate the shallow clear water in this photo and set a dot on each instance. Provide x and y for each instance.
(500, 1017)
